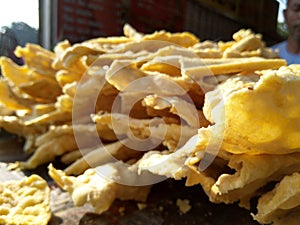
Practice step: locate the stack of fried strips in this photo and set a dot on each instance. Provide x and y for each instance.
(123, 113)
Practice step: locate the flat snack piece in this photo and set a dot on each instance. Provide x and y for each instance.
(177, 106)
(241, 187)
(278, 203)
(29, 82)
(25, 202)
(37, 58)
(10, 100)
(270, 104)
(57, 141)
(98, 189)
(184, 39)
(239, 65)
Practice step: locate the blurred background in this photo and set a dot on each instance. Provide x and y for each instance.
(48, 21)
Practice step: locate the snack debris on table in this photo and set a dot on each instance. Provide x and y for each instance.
(141, 108)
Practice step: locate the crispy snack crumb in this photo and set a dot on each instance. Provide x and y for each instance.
(183, 205)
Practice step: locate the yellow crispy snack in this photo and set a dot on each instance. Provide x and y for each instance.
(14, 125)
(41, 88)
(54, 117)
(10, 100)
(64, 103)
(154, 130)
(64, 77)
(269, 104)
(171, 165)
(4, 111)
(132, 33)
(37, 58)
(235, 66)
(60, 47)
(96, 189)
(54, 147)
(208, 49)
(177, 106)
(184, 39)
(70, 58)
(241, 187)
(17, 75)
(57, 141)
(123, 72)
(108, 42)
(41, 109)
(275, 205)
(248, 43)
(126, 76)
(25, 202)
(167, 65)
(71, 157)
(101, 155)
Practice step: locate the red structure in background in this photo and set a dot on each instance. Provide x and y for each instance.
(150, 15)
(78, 20)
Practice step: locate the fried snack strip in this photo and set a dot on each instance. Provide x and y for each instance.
(239, 65)
(230, 188)
(273, 206)
(98, 189)
(57, 141)
(171, 135)
(102, 155)
(178, 106)
(37, 59)
(10, 100)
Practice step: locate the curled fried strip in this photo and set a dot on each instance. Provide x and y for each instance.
(98, 190)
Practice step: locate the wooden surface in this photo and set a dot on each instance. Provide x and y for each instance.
(160, 208)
